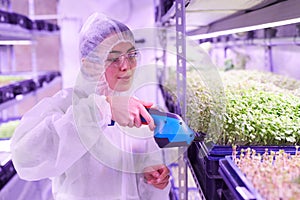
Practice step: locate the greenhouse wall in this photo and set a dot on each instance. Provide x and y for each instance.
(285, 59)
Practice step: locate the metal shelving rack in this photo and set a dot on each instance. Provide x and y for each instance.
(12, 94)
(288, 10)
(27, 95)
(264, 21)
(177, 10)
(16, 34)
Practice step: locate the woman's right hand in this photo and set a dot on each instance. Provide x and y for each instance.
(157, 175)
(127, 111)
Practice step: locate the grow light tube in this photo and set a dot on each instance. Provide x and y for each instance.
(15, 42)
(245, 29)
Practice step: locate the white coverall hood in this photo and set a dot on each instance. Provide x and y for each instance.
(97, 37)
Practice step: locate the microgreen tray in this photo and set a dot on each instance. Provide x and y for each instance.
(236, 181)
(259, 167)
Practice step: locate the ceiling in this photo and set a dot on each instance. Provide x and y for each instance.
(203, 12)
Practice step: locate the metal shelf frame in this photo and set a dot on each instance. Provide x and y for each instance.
(272, 12)
(195, 179)
(181, 89)
(266, 43)
(268, 12)
(20, 34)
(178, 11)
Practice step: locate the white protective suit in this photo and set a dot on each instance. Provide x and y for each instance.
(67, 137)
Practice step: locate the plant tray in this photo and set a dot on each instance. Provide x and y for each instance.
(239, 185)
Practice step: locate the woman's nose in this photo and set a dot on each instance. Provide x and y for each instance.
(125, 65)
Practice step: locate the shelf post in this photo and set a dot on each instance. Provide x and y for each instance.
(31, 11)
(181, 89)
(269, 58)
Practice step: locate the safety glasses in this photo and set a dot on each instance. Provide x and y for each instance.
(131, 57)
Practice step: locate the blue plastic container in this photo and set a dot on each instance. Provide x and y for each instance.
(6, 93)
(210, 159)
(237, 183)
(206, 164)
(205, 168)
(7, 171)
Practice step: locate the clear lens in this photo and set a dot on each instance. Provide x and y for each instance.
(131, 56)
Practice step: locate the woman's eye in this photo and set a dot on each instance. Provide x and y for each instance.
(113, 59)
(133, 54)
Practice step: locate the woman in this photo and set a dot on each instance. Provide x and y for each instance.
(78, 138)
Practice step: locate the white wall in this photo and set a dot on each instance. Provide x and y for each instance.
(285, 58)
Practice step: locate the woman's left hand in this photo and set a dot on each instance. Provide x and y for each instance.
(157, 175)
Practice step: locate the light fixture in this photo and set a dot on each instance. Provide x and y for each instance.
(15, 42)
(244, 29)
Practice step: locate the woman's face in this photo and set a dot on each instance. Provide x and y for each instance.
(120, 66)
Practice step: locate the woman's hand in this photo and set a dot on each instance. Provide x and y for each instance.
(127, 111)
(157, 175)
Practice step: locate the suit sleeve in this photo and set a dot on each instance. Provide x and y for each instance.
(46, 143)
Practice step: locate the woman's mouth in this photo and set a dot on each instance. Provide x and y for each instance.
(124, 77)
